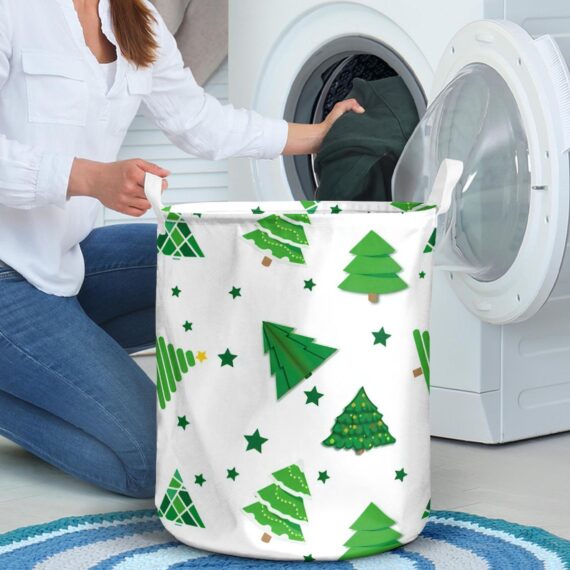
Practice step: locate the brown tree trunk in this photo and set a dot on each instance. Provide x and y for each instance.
(266, 261)
(266, 537)
(418, 372)
(373, 297)
(359, 452)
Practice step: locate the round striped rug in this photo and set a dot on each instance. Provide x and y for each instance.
(136, 540)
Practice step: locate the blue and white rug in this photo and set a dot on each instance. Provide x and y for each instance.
(136, 540)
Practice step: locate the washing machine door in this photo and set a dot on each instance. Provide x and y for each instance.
(502, 112)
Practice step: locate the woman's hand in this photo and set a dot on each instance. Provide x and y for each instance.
(117, 185)
(307, 139)
(340, 109)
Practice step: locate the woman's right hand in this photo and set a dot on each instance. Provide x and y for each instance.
(117, 185)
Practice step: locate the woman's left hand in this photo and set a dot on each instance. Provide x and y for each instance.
(307, 139)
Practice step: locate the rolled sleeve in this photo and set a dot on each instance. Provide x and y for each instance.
(53, 179)
(275, 133)
(30, 178)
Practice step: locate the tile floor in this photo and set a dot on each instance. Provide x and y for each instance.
(525, 482)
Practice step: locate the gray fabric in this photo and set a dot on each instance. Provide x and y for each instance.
(201, 31)
(172, 11)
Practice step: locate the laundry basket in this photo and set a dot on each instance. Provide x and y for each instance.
(293, 375)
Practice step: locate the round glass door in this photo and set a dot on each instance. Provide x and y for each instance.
(475, 120)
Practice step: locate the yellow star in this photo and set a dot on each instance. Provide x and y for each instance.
(201, 356)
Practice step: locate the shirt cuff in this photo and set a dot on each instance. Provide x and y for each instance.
(53, 179)
(275, 132)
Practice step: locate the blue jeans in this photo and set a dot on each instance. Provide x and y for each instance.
(69, 391)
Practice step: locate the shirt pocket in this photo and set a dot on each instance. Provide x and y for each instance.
(56, 87)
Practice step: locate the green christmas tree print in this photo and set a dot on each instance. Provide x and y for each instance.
(282, 504)
(360, 427)
(422, 342)
(430, 245)
(171, 364)
(177, 505)
(177, 241)
(373, 270)
(292, 357)
(427, 510)
(281, 236)
(310, 205)
(373, 533)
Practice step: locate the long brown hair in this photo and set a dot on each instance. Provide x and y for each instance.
(133, 26)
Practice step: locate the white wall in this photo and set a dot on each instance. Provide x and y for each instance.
(193, 179)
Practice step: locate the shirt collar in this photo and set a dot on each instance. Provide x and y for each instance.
(104, 9)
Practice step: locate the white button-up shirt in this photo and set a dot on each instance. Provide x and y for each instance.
(55, 105)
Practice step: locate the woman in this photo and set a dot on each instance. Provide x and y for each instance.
(76, 301)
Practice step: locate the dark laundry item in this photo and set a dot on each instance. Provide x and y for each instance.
(363, 66)
(359, 153)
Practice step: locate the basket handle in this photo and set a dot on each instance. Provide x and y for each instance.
(153, 192)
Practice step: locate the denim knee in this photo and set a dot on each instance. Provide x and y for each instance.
(141, 478)
(141, 487)
(140, 465)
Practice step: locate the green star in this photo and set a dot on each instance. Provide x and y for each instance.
(199, 479)
(257, 210)
(323, 476)
(309, 284)
(227, 358)
(309, 558)
(255, 441)
(313, 396)
(336, 209)
(232, 474)
(187, 326)
(235, 292)
(422, 274)
(381, 337)
(176, 291)
(400, 475)
(197, 214)
(183, 422)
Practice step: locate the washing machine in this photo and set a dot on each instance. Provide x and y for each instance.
(490, 80)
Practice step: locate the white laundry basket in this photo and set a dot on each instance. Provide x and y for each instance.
(293, 375)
